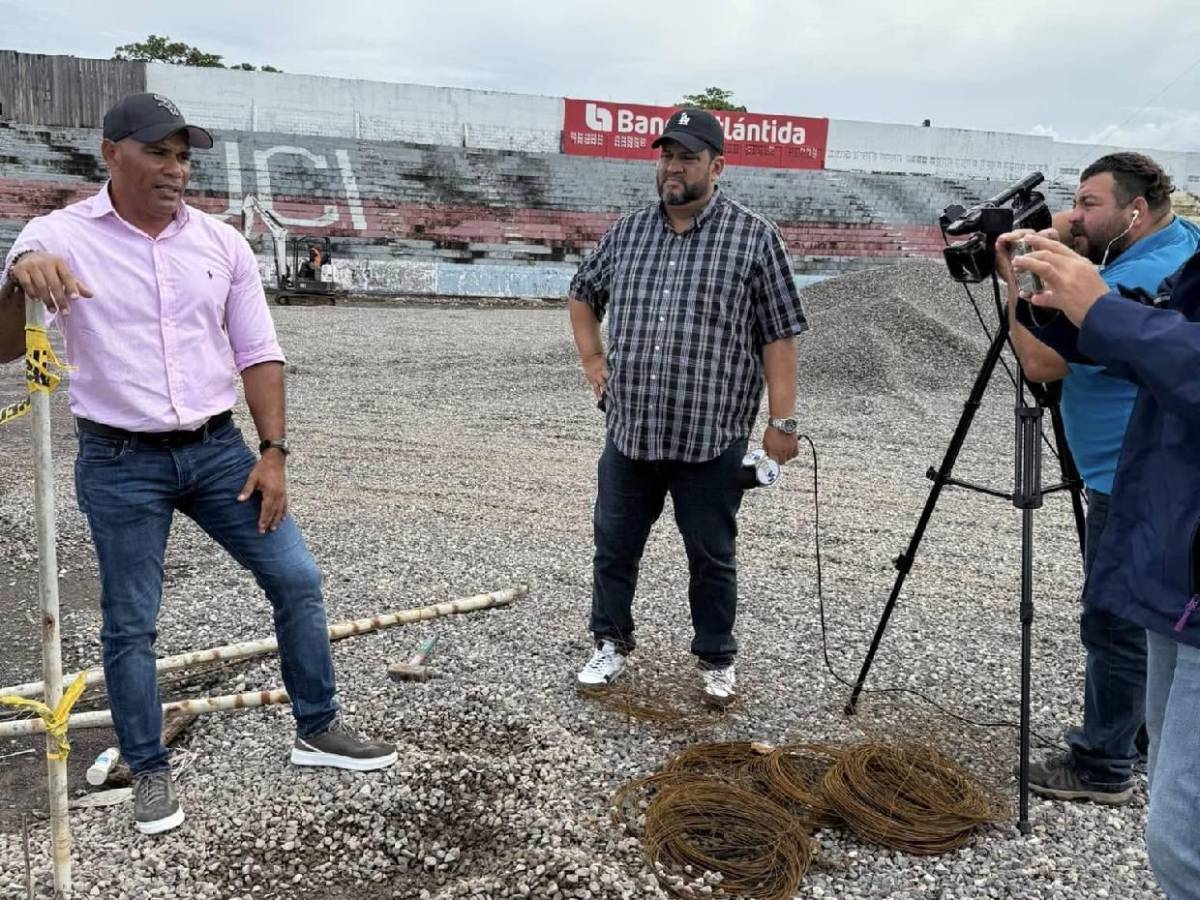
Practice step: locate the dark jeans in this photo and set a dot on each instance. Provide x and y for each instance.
(1172, 711)
(1114, 691)
(129, 492)
(629, 499)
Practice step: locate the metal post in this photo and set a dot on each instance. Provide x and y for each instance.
(60, 827)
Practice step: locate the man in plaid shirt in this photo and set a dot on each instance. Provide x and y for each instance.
(702, 309)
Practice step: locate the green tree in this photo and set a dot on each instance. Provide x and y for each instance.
(177, 53)
(712, 98)
(163, 49)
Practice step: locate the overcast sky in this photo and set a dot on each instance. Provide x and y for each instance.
(1124, 73)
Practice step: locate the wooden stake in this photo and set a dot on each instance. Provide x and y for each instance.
(43, 481)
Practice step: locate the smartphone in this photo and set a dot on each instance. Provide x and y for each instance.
(1028, 284)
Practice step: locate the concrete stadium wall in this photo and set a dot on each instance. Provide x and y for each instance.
(362, 110)
(876, 147)
(994, 155)
(438, 190)
(367, 110)
(307, 105)
(388, 204)
(410, 218)
(1070, 159)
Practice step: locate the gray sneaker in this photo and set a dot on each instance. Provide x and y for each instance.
(1057, 779)
(155, 807)
(340, 748)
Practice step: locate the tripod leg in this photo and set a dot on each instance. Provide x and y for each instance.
(904, 562)
(1049, 396)
(1070, 474)
(1027, 496)
(1026, 660)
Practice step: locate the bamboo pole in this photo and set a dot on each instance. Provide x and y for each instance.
(337, 632)
(101, 718)
(43, 481)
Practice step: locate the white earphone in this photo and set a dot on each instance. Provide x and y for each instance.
(1128, 228)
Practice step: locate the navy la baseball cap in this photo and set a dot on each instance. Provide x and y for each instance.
(695, 129)
(148, 118)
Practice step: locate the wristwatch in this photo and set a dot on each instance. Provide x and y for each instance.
(281, 445)
(788, 425)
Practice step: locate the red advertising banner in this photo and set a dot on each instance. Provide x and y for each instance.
(626, 131)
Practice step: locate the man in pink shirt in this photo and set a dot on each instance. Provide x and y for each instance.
(159, 305)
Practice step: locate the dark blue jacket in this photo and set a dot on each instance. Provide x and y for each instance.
(1147, 566)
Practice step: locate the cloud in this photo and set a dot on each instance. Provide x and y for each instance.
(1177, 129)
(1155, 129)
(1046, 131)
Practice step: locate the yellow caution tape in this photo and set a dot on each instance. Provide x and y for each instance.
(14, 411)
(56, 719)
(42, 371)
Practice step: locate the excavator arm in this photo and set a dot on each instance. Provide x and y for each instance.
(251, 205)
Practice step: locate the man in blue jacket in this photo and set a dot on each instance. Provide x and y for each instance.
(1147, 566)
(1122, 221)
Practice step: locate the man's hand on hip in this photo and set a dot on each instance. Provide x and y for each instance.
(269, 478)
(779, 446)
(48, 278)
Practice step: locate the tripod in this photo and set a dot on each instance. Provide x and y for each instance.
(1026, 496)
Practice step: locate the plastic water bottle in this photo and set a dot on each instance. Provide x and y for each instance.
(97, 773)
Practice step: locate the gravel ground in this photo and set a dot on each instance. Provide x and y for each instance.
(443, 452)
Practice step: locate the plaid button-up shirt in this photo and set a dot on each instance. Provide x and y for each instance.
(688, 317)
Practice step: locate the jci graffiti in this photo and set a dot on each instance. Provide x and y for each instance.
(352, 216)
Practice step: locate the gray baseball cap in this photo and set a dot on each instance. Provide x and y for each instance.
(148, 118)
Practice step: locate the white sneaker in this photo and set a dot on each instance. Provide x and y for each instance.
(720, 685)
(604, 666)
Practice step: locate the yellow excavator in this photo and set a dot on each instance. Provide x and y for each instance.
(304, 269)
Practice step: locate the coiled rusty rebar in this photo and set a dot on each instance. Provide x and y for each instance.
(909, 797)
(745, 810)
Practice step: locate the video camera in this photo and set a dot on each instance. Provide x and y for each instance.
(974, 259)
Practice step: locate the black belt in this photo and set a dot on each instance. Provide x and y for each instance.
(156, 438)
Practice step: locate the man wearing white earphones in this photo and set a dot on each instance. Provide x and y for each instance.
(1147, 564)
(1122, 222)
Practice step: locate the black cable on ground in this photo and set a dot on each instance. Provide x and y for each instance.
(825, 636)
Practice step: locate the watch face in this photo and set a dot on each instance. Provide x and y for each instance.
(787, 426)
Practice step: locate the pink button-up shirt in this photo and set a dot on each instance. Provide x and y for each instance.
(156, 348)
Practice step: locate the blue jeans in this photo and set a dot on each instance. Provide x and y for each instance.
(1172, 714)
(1114, 691)
(629, 499)
(129, 491)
